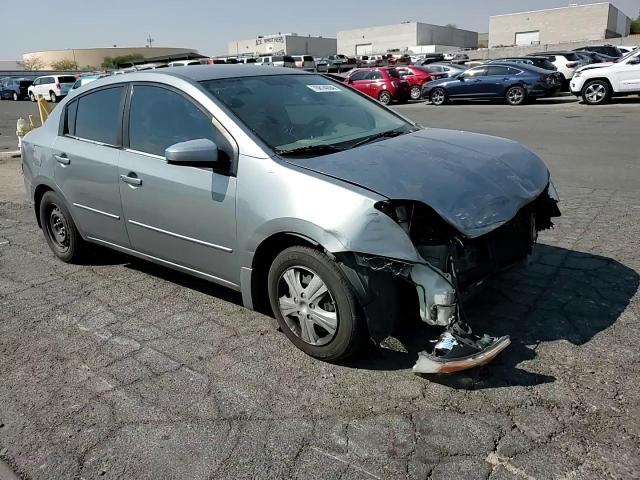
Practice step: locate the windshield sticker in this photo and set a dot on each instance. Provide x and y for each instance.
(324, 88)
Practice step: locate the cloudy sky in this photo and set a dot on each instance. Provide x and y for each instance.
(208, 25)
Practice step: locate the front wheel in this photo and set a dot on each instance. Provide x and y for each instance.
(314, 304)
(516, 95)
(384, 97)
(416, 92)
(596, 92)
(438, 96)
(60, 231)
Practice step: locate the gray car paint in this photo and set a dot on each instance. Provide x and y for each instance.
(188, 213)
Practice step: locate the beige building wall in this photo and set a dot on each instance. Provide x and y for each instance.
(284, 44)
(578, 23)
(94, 56)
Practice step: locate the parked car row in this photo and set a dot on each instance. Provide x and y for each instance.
(14, 88)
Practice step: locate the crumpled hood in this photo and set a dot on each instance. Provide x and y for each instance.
(475, 182)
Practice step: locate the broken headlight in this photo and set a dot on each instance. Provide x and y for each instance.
(400, 212)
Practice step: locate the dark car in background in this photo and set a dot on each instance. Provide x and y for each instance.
(610, 50)
(515, 83)
(384, 84)
(540, 62)
(14, 88)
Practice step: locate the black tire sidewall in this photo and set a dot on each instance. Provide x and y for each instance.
(49, 200)
(347, 338)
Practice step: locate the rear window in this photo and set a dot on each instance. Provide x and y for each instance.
(307, 58)
(288, 58)
(25, 83)
(67, 79)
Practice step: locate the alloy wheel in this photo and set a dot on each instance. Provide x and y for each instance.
(438, 96)
(515, 95)
(385, 98)
(307, 306)
(415, 92)
(52, 97)
(57, 229)
(595, 93)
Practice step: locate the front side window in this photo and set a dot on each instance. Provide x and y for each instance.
(360, 75)
(99, 116)
(476, 72)
(159, 118)
(289, 112)
(376, 75)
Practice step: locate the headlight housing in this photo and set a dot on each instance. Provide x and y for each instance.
(577, 74)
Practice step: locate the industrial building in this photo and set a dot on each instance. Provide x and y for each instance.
(412, 37)
(575, 23)
(284, 44)
(93, 57)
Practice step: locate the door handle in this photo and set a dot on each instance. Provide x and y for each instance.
(62, 159)
(131, 180)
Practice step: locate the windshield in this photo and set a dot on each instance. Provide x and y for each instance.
(630, 54)
(289, 112)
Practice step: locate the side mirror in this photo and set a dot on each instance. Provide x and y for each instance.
(460, 77)
(201, 152)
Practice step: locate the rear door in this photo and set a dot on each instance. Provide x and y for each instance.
(626, 77)
(86, 162)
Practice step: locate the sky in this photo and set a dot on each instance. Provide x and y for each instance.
(208, 25)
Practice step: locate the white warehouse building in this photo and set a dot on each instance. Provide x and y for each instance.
(284, 44)
(410, 37)
(575, 23)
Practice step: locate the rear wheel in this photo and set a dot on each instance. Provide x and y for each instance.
(516, 95)
(438, 96)
(52, 97)
(416, 91)
(32, 97)
(315, 304)
(59, 229)
(596, 92)
(384, 97)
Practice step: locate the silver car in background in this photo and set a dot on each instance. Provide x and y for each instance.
(322, 207)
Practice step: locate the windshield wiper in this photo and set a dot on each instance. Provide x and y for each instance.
(321, 149)
(377, 136)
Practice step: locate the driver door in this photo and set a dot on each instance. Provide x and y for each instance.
(180, 214)
(626, 78)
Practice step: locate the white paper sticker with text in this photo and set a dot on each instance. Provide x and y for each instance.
(324, 88)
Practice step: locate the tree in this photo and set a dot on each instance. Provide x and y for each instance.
(114, 62)
(33, 63)
(635, 26)
(64, 65)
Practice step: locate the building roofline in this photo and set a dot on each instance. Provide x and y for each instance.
(405, 23)
(555, 8)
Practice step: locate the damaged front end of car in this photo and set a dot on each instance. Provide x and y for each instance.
(451, 265)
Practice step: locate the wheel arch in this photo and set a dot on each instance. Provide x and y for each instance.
(603, 79)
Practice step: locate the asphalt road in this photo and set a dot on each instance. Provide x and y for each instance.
(121, 369)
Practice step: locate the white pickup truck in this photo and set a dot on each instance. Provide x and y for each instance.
(597, 83)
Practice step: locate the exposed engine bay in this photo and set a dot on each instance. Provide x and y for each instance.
(454, 264)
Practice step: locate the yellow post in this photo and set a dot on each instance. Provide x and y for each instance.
(43, 108)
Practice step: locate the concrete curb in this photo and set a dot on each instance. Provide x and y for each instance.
(9, 154)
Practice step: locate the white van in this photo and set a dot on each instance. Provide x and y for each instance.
(305, 62)
(277, 61)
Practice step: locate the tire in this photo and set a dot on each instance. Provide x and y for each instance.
(59, 230)
(438, 96)
(15, 97)
(52, 97)
(416, 92)
(515, 95)
(384, 97)
(336, 307)
(32, 97)
(596, 92)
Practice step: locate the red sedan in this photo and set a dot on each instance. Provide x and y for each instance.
(384, 84)
(417, 76)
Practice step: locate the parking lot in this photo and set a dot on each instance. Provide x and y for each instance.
(122, 369)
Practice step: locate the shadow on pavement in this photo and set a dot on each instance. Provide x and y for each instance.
(560, 295)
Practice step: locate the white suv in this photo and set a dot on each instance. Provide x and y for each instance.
(51, 87)
(598, 85)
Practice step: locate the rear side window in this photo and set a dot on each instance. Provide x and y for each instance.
(98, 116)
(393, 73)
(360, 75)
(159, 118)
(497, 70)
